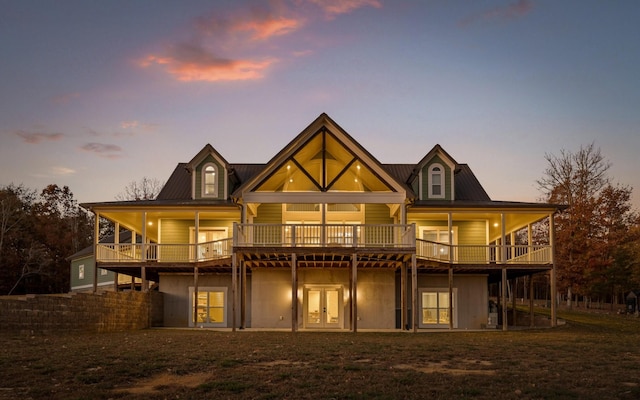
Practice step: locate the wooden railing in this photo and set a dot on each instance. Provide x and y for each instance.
(483, 254)
(163, 252)
(324, 235)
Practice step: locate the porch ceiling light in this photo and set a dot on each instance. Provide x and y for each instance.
(495, 224)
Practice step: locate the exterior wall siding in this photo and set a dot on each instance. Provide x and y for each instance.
(86, 283)
(269, 214)
(377, 214)
(469, 232)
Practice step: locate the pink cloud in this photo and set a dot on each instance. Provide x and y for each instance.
(38, 137)
(268, 28)
(508, 12)
(189, 62)
(336, 7)
(103, 149)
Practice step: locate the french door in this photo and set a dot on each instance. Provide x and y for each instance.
(323, 307)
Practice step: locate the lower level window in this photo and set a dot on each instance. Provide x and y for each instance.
(210, 306)
(435, 310)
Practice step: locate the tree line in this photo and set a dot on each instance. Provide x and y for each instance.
(40, 230)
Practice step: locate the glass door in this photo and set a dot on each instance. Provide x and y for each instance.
(323, 307)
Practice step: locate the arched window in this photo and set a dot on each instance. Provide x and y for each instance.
(209, 180)
(436, 181)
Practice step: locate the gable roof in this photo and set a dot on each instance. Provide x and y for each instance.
(323, 122)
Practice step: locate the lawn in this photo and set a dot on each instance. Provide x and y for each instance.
(593, 356)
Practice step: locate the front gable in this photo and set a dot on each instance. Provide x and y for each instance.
(324, 161)
(209, 177)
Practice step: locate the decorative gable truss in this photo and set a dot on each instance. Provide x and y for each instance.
(323, 164)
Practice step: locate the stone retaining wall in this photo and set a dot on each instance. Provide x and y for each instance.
(79, 312)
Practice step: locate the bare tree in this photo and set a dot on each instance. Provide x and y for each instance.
(144, 189)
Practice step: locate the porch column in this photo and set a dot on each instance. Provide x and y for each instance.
(117, 243)
(503, 240)
(354, 292)
(531, 314)
(504, 299)
(243, 294)
(234, 284)
(529, 242)
(414, 293)
(552, 273)
(294, 293)
(514, 291)
(196, 253)
(451, 258)
(96, 240)
(403, 296)
(133, 246)
(195, 296)
(143, 253)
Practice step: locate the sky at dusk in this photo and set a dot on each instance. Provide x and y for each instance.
(96, 94)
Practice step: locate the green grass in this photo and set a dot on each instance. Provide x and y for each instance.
(593, 356)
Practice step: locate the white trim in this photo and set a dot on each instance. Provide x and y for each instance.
(454, 308)
(203, 179)
(91, 285)
(443, 181)
(190, 300)
(305, 305)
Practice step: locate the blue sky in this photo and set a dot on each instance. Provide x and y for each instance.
(95, 95)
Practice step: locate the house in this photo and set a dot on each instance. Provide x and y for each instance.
(324, 236)
(83, 270)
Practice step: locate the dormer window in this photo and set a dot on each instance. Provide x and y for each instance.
(436, 181)
(210, 180)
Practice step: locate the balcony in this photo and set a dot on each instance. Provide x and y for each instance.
(483, 254)
(327, 236)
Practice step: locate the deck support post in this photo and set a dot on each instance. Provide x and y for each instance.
(243, 295)
(514, 291)
(354, 292)
(234, 289)
(403, 296)
(294, 293)
(195, 296)
(414, 293)
(504, 299)
(531, 314)
(450, 296)
(143, 255)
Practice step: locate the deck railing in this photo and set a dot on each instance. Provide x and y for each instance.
(163, 252)
(483, 254)
(324, 235)
(327, 235)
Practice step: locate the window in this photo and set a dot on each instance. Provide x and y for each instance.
(436, 182)
(209, 180)
(435, 311)
(211, 306)
(439, 241)
(81, 271)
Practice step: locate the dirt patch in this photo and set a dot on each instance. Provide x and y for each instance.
(445, 367)
(164, 380)
(277, 363)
